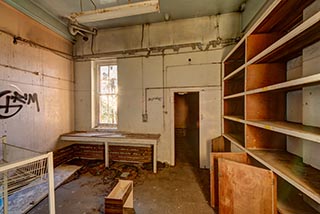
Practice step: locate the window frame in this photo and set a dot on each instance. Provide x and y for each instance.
(98, 95)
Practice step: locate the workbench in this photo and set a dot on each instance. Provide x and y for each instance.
(116, 139)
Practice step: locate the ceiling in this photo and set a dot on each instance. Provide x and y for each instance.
(176, 9)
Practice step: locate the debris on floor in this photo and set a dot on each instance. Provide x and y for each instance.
(183, 188)
(116, 170)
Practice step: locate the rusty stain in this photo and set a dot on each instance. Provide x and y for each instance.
(113, 9)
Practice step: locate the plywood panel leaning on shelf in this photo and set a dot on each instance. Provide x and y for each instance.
(214, 190)
(246, 189)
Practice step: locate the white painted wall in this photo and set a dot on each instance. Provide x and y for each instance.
(311, 103)
(174, 70)
(135, 74)
(28, 69)
(294, 105)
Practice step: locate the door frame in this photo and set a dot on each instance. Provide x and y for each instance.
(172, 121)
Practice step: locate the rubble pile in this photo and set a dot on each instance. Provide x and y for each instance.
(116, 170)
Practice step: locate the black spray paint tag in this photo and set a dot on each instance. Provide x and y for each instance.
(11, 102)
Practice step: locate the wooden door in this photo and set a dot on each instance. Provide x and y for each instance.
(241, 157)
(245, 189)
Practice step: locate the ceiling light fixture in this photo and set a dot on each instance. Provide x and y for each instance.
(130, 9)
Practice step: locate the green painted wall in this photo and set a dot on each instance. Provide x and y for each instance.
(41, 16)
(251, 9)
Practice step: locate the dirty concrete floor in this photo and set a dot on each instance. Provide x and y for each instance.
(183, 188)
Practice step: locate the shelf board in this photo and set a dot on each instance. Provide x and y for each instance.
(268, 10)
(274, 22)
(289, 85)
(291, 168)
(293, 205)
(292, 42)
(232, 74)
(234, 95)
(237, 118)
(288, 128)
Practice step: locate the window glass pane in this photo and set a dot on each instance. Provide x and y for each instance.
(108, 79)
(108, 109)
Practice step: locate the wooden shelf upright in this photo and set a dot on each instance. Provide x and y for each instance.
(271, 92)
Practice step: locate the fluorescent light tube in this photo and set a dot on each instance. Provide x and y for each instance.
(130, 9)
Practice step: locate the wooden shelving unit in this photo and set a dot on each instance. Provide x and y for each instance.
(257, 93)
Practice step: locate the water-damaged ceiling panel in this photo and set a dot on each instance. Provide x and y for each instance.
(169, 9)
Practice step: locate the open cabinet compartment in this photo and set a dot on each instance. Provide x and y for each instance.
(270, 149)
(235, 84)
(262, 75)
(234, 131)
(234, 107)
(266, 106)
(235, 60)
(274, 26)
(291, 200)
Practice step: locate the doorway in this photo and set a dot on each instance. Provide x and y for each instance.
(186, 128)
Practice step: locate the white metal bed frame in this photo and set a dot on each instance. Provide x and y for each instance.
(26, 171)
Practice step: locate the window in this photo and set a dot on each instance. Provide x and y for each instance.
(108, 95)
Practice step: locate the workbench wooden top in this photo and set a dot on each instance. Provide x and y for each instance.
(100, 134)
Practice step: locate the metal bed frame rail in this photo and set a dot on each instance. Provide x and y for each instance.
(24, 171)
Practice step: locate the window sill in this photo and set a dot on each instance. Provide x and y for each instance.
(105, 128)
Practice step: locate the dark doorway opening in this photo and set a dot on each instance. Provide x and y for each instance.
(186, 123)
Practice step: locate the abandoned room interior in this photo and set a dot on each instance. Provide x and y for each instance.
(160, 106)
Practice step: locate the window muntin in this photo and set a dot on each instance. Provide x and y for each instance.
(108, 95)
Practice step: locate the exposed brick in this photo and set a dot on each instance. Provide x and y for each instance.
(116, 153)
(131, 154)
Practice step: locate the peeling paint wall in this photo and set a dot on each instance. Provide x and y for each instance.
(203, 30)
(45, 77)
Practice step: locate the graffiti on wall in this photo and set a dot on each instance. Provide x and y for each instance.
(11, 102)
